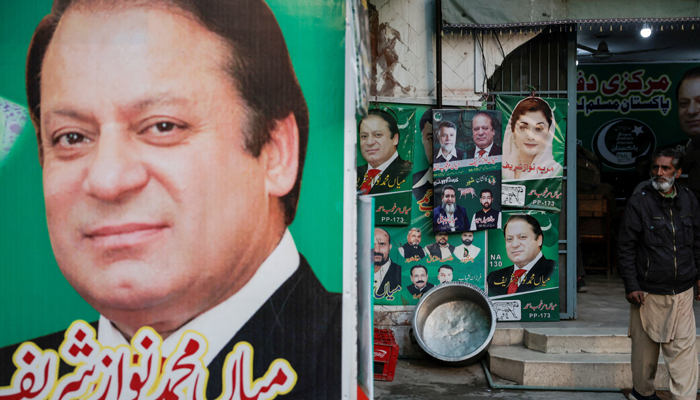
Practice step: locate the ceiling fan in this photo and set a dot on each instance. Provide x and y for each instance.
(604, 53)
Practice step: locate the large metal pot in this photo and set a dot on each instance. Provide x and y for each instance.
(454, 323)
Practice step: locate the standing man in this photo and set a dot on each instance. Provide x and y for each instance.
(487, 217)
(419, 277)
(387, 274)
(440, 250)
(172, 151)
(483, 132)
(466, 251)
(385, 169)
(659, 255)
(688, 95)
(450, 217)
(530, 269)
(447, 136)
(412, 251)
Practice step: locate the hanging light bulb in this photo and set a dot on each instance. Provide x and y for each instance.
(646, 31)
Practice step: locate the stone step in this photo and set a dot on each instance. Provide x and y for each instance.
(579, 340)
(534, 368)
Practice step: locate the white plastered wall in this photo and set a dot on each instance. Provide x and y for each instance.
(405, 38)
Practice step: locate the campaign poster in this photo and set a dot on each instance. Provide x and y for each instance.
(385, 161)
(149, 225)
(625, 111)
(399, 251)
(411, 261)
(466, 170)
(523, 266)
(533, 151)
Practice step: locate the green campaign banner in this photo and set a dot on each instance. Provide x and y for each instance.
(523, 268)
(163, 170)
(416, 260)
(625, 111)
(533, 151)
(411, 260)
(385, 161)
(466, 170)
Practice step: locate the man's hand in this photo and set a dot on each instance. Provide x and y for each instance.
(697, 290)
(637, 297)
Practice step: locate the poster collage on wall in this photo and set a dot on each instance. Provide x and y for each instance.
(486, 196)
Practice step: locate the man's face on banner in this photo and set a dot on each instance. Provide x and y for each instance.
(448, 197)
(427, 135)
(486, 200)
(145, 171)
(376, 144)
(419, 277)
(447, 137)
(441, 239)
(381, 247)
(445, 275)
(468, 238)
(689, 106)
(482, 131)
(522, 245)
(414, 237)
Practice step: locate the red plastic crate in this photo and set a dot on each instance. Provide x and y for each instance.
(386, 354)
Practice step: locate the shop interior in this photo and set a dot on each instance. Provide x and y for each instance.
(610, 166)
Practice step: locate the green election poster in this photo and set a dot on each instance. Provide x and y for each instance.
(385, 161)
(523, 272)
(162, 206)
(533, 151)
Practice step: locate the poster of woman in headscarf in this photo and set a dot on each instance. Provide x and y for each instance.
(533, 152)
(523, 272)
(466, 170)
(385, 162)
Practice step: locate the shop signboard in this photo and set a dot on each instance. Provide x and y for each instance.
(625, 111)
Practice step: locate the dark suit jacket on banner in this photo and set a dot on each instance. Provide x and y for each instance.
(394, 174)
(434, 250)
(460, 216)
(392, 277)
(409, 251)
(461, 155)
(419, 292)
(419, 192)
(301, 323)
(539, 272)
(480, 219)
(495, 151)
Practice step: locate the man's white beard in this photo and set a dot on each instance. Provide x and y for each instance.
(448, 148)
(664, 186)
(449, 208)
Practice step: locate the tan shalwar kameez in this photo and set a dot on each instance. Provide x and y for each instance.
(669, 322)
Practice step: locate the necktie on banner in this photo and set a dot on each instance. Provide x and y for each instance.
(367, 183)
(481, 153)
(514, 280)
